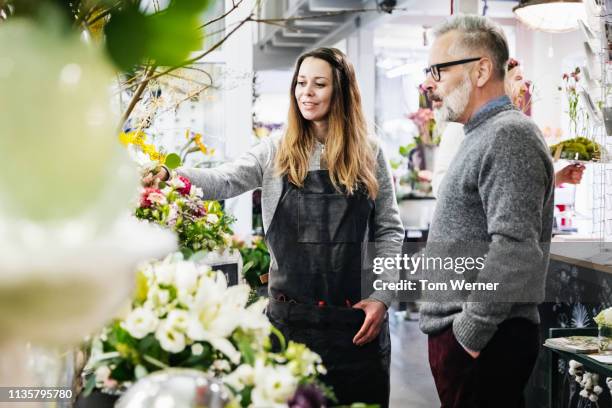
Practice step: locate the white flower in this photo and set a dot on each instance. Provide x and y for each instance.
(221, 365)
(197, 349)
(584, 393)
(273, 385)
(163, 296)
(157, 198)
(176, 183)
(147, 271)
(608, 315)
(196, 191)
(102, 374)
(241, 376)
(178, 319)
(593, 397)
(254, 317)
(169, 338)
(597, 390)
(186, 277)
(217, 312)
(140, 322)
(212, 218)
(164, 273)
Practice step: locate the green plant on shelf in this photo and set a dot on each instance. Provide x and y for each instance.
(256, 259)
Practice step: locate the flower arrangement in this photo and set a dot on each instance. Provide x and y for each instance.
(588, 381)
(184, 315)
(604, 318)
(570, 83)
(176, 204)
(604, 323)
(424, 120)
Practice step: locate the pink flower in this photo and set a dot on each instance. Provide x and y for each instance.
(187, 188)
(145, 201)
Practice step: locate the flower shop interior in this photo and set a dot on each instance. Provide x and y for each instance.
(112, 293)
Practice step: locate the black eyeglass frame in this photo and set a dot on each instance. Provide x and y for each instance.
(435, 68)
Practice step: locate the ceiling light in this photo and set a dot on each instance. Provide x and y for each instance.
(553, 16)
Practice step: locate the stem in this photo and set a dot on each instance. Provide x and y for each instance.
(137, 94)
(154, 362)
(199, 57)
(221, 17)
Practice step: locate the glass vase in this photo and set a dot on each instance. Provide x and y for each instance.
(605, 338)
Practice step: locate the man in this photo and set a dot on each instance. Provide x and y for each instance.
(497, 191)
(516, 88)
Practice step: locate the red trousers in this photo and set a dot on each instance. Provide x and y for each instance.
(497, 378)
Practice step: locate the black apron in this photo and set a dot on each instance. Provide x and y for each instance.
(315, 241)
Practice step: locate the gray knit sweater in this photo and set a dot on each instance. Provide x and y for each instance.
(498, 190)
(256, 169)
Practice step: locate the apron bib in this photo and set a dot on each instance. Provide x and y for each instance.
(316, 240)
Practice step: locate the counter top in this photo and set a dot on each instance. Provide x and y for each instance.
(596, 255)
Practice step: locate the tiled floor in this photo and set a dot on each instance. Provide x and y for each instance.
(412, 385)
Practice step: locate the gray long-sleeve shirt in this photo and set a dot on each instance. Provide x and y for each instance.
(499, 191)
(256, 169)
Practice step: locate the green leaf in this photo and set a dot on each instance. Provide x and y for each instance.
(187, 253)
(247, 266)
(173, 161)
(280, 337)
(173, 35)
(244, 346)
(191, 6)
(91, 384)
(126, 35)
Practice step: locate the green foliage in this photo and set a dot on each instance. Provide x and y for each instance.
(580, 148)
(256, 260)
(132, 37)
(405, 150)
(173, 161)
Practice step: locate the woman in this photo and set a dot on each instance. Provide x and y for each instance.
(517, 89)
(326, 191)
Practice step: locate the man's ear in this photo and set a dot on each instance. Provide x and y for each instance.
(484, 71)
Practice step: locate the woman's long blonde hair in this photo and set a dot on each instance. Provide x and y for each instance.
(348, 150)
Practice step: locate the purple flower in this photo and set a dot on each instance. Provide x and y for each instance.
(307, 396)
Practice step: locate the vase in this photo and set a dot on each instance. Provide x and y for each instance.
(605, 338)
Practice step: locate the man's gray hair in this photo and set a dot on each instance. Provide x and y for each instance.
(478, 34)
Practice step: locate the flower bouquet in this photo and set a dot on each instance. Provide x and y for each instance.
(185, 315)
(176, 204)
(604, 322)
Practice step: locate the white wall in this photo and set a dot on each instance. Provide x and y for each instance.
(545, 57)
(238, 55)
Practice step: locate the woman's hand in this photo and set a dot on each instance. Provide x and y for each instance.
(374, 317)
(152, 178)
(571, 174)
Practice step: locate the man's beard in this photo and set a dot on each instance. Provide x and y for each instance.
(454, 104)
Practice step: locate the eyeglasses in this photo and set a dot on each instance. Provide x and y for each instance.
(434, 70)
